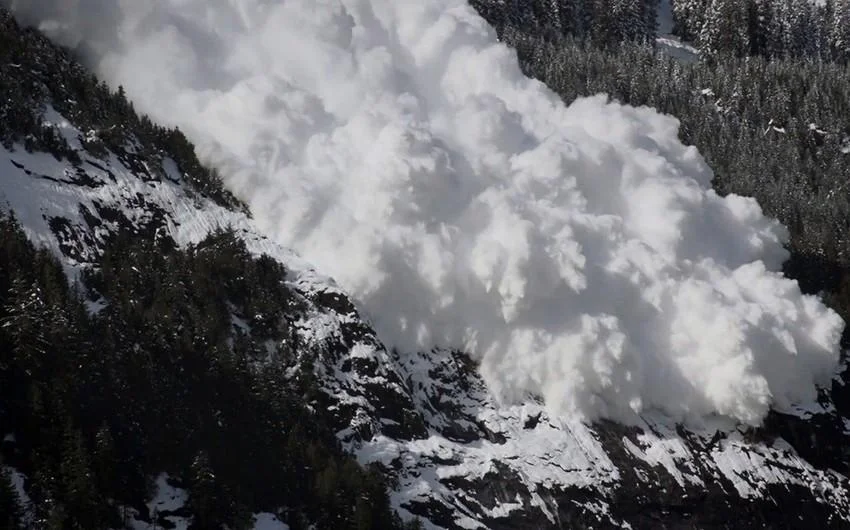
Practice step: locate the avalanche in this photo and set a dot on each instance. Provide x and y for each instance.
(578, 252)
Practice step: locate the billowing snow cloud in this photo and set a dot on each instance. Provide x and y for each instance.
(577, 251)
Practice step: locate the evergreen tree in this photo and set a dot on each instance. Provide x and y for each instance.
(840, 34)
(803, 20)
(105, 461)
(83, 502)
(602, 29)
(760, 20)
(723, 31)
(628, 20)
(26, 315)
(773, 28)
(649, 19)
(688, 18)
(203, 498)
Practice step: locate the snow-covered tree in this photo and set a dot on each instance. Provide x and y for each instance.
(760, 20)
(840, 31)
(724, 30)
(688, 17)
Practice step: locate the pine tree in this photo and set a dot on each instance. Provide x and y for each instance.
(724, 30)
(105, 461)
(823, 14)
(688, 18)
(649, 19)
(628, 20)
(840, 34)
(26, 314)
(78, 483)
(760, 20)
(203, 495)
(603, 29)
(794, 28)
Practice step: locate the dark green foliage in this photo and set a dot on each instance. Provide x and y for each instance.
(34, 72)
(162, 380)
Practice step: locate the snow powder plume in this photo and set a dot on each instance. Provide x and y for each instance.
(577, 251)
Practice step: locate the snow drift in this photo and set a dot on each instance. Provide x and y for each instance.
(577, 251)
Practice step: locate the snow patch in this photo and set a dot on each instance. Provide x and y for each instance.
(94, 307)
(670, 44)
(751, 469)
(669, 451)
(268, 521)
(676, 48)
(24, 501)
(166, 499)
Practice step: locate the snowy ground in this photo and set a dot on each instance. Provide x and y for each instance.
(668, 43)
(674, 47)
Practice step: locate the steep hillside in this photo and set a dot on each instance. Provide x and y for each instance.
(172, 380)
(234, 379)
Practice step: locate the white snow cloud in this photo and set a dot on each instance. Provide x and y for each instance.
(577, 251)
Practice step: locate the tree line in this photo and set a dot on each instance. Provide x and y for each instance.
(604, 22)
(768, 28)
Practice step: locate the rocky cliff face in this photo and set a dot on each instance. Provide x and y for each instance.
(455, 457)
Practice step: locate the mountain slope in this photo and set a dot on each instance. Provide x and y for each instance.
(453, 454)
(179, 343)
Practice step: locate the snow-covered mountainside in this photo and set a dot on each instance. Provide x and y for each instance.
(459, 456)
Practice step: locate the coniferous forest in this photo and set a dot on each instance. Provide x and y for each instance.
(100, 401)
(156, 381)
